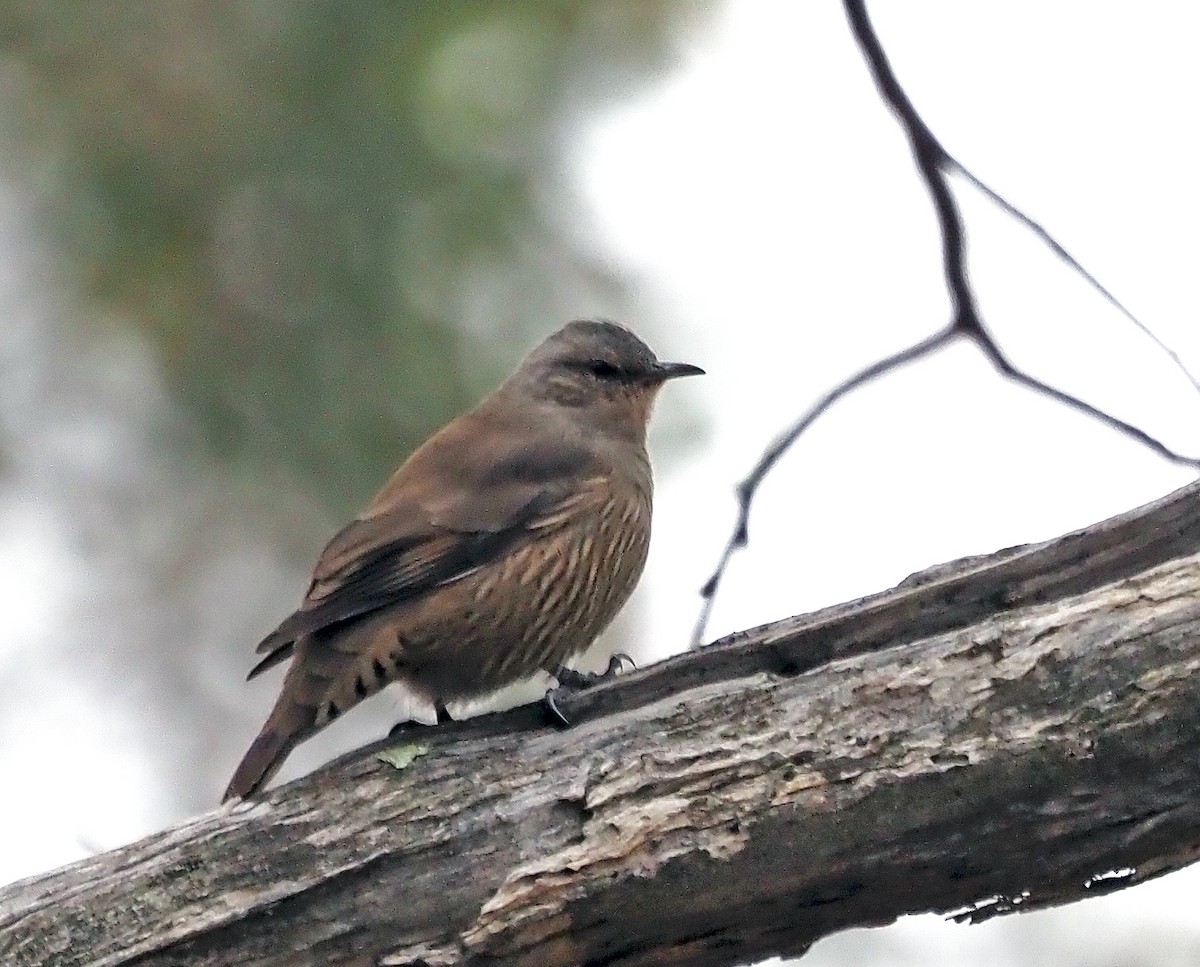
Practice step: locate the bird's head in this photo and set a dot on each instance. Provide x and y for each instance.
(602, 371)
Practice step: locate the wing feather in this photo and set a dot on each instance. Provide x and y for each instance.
(448, 511)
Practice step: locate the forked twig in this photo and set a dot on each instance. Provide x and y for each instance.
(934, 163)
(747, 488)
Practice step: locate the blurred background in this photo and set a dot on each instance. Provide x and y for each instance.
(252, 253)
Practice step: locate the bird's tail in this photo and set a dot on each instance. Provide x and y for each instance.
(322, 683)
(261, 761)
(311, 697)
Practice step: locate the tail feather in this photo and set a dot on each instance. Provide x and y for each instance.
(311, 697)
(279, 654)
(261, 762)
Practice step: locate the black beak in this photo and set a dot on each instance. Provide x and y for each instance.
(667, 371)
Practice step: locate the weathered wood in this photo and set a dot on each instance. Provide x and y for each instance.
(995, 734)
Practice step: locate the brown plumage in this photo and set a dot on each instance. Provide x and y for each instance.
(504, 545)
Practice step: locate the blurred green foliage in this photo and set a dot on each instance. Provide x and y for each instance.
(288, 199)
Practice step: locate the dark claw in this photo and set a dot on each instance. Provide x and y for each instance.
(553, 712)
(570, 680)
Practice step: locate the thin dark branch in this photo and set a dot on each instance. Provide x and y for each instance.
(1043, 234)
(749, 487)
(930, 158)
(997, 358)
(933, 163)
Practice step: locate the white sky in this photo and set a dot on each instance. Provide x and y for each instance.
(769, 203)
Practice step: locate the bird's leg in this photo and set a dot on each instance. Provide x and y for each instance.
(443, 716)
(571, 681)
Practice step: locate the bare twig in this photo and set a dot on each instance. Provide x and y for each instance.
(1058, 249)
(934, 163)
(748, 487)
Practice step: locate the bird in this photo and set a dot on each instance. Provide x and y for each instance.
(501, 547)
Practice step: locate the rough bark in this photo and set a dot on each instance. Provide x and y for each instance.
(1000, 733)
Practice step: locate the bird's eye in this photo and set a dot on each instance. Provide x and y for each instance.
(602, 369)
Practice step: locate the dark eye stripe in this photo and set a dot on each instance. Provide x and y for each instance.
(602, 369)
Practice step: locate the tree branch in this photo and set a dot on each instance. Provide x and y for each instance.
(994, 734)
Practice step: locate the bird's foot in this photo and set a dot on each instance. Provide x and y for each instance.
(571, 681)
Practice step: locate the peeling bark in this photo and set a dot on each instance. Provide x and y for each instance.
(996, 734)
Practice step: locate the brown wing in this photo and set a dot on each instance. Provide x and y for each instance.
(461, 500)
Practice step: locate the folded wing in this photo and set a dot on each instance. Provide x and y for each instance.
(448, 511)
